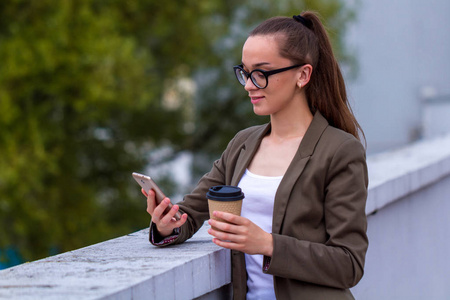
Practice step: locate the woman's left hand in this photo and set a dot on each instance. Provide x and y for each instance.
(240, 234)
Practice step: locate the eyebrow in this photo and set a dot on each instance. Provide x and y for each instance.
(258, 64)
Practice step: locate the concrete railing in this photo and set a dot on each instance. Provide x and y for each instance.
(407, 212)
(127, 267)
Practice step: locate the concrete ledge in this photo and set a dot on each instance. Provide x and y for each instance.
(128, 267)
(396, 174)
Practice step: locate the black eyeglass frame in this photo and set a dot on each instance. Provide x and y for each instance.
(265, 73)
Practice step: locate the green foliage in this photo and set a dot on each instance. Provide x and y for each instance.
(84, 89)
(80, 89)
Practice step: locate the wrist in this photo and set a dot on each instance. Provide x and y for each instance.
(269, 248)
(164, 232)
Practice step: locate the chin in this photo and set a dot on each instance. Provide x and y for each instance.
(258, 112)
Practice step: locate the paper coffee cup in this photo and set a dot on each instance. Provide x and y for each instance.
(224, 198)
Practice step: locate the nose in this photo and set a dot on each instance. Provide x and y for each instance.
(249, 85)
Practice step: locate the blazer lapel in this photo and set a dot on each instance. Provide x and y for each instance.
(248, 150)
(298, 164)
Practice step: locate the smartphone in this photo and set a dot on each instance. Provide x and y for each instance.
(147, 183)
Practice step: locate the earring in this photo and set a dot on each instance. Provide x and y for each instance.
(300, 85)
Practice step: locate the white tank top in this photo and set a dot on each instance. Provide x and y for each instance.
(258, 207)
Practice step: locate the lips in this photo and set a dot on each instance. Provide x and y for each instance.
(256, 99)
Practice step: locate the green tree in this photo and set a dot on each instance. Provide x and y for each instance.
(89, 88)
(80, 89)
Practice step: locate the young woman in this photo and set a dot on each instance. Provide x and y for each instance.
(302, 232)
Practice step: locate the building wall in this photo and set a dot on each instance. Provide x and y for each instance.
(402, 48)
(436, 116)
(408, 250)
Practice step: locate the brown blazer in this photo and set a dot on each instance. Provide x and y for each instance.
(319, 222)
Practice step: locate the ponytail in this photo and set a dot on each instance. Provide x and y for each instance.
(305, 40)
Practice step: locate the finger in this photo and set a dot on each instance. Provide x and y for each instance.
(144, 192)
(151, 203)
(227, 227)
(227, 244)
(158, 212)
(231, 218)
(226, 236)
(170, 215)
(172, 224)
(181, 221)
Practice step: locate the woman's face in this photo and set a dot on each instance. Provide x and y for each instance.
(262, 52)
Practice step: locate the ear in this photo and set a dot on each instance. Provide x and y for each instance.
(304, 75)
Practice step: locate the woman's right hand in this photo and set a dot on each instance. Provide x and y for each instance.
(165, 223)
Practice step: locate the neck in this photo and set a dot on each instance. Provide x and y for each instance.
(292, 122)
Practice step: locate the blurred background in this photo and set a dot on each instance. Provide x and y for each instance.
(91, 91)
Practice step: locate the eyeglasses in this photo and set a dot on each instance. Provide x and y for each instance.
(258, 77)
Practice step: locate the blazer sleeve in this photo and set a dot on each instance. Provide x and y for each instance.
(338, 262)
(195, 204)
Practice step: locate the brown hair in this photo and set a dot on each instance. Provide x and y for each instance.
(308, 42)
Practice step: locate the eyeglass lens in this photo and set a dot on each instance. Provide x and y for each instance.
(257, 78)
